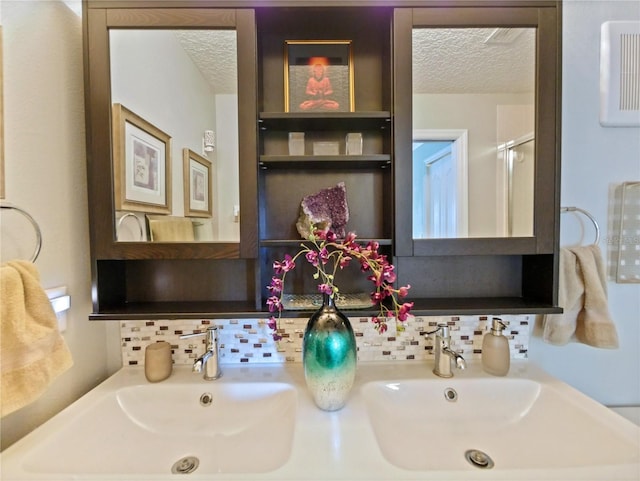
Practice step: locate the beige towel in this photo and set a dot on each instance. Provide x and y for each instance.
(32, 351)
(166, 228)
(582, 294)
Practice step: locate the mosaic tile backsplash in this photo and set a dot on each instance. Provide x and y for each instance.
(249, 340)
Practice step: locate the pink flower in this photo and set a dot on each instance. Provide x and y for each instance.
(276, 285)
(380, 326)
(349, 240)
(312, 258)
(388, 274)
(344, 261)
(403, 312)
(285, 266)
(320, 234)
(364, 265)
(377, 297)
(273, 325)
(324, 256)
(326, 253)
(274, 303)
(403, 291)
(376, 278)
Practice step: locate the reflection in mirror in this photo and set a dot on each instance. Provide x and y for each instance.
(183, 82)
(474, 123)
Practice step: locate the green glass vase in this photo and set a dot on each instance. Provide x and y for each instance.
(329, 356)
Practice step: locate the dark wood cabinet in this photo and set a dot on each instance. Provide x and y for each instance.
(222, 280)
(483, 275)
(147, 280)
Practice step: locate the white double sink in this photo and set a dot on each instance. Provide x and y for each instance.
(401, 422)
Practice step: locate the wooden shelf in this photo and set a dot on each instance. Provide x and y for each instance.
(179, 310)
(245, 310)
(468, 306)
(346, 121)
(381, 161)
(296, 242)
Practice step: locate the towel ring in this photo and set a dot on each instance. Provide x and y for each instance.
(35, 225)
(131, 214)
(591, 218)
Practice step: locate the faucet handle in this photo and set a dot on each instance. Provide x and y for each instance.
(211, 333)
(441, 327)
(195, 334)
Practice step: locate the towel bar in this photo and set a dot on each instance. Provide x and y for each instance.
(33, 223)
(591, 218)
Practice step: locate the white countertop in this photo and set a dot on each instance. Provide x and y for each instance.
(328, 445)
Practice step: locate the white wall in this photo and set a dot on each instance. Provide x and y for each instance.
(595, 158)
(227, 194)
(45, 175)
(169, 91)
(478, 114)
(166, 90)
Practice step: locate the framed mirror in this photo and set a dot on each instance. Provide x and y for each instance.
(184, 85)
(476, 143)
(186, 80)
(473, 132)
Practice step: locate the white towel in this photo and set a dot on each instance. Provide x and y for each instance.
(582, 294)
(32, 351)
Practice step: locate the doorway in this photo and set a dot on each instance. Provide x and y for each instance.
(440, 207)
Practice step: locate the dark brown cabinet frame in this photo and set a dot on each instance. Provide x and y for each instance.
(212, 280)
(150, 280)
(492, 275)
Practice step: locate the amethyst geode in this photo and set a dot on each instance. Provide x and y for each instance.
(326, 209)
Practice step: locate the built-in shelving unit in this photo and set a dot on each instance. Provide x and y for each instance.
(285, 179)
(228, 280)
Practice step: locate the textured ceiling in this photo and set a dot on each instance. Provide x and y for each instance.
(445, 60)
(459, 61)
(214, 53)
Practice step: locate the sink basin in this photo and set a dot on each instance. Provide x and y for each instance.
(429, 424)
(152, 428)
(259, 422)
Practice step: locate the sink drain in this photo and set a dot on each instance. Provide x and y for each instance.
(450, 394)
(206, 399)
(479, 459)
(186, 465)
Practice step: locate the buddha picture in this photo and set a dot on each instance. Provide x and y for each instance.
(319, 77)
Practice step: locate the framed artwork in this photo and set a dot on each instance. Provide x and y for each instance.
(318, 76)
(141, 163)
(197, 185)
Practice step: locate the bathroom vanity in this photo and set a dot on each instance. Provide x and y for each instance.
(401, 422)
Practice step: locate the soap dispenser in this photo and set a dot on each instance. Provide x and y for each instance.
(495, 350)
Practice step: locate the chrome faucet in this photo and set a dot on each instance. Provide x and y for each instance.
(444, 354)
(210, 359)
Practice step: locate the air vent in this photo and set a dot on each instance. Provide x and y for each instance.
(630, 72)
(620, 74)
